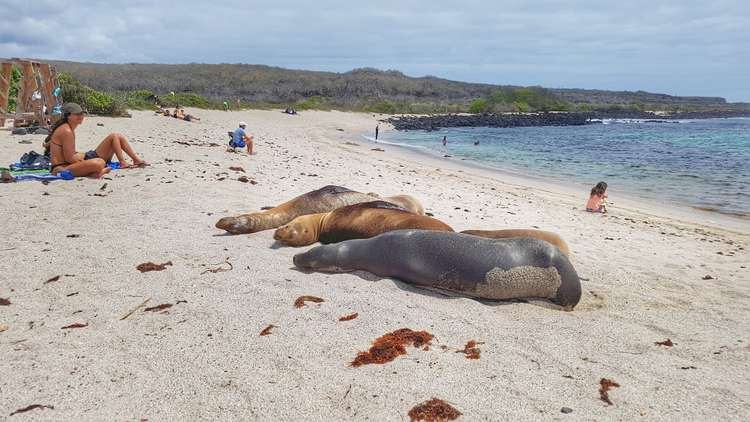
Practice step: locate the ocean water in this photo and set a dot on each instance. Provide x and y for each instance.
(698, 163)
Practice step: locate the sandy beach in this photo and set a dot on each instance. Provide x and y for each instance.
(649, 273)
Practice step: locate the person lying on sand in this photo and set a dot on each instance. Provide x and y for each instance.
(188, 117)
(60, 147)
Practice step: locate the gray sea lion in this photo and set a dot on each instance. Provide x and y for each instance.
(496, 269)
(356, 221)
(325, 199)
(550, 237)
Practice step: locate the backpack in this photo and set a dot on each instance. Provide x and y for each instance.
(32, 160)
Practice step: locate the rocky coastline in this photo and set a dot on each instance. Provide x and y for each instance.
(435, 122)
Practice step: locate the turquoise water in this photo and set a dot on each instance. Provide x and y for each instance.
(699, 163)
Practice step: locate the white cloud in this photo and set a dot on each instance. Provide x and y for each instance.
(664, 46)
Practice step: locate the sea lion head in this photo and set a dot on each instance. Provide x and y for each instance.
(236, 225)
(301, 231)
(325, 258)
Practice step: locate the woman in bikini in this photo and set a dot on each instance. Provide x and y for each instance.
(596, 202)
(60, 147)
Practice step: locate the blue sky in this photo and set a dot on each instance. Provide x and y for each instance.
(674, 47)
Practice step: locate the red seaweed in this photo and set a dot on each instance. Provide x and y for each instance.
(434, 410)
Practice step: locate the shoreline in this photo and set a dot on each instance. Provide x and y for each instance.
(76, 335)
(684, 213)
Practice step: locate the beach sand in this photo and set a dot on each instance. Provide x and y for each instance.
(644, 272)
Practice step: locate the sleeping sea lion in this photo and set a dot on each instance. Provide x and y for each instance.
(356, 221)
(550, 237)
(325, 199)
(498, 269)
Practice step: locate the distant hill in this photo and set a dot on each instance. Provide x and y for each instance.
(258, 83)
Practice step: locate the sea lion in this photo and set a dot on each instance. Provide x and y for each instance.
(550, 237)
(356, 221)
(497, 269)
(325, 199)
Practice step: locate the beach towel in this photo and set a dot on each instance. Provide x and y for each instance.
(63, 175)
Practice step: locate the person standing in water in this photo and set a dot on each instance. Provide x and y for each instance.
(377, 129)
(445, 140)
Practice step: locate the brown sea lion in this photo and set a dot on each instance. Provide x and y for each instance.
(550, 237)
(325, 199)
(497, 269)
(358, 221)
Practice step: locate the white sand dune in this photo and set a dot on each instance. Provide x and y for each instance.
(643, 269)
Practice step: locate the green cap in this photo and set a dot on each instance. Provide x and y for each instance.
(72, 108)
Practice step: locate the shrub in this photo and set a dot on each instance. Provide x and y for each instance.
(15, 79)
(480, 105)
(92, 101)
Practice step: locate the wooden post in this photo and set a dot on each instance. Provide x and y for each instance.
(6, 72)
(23, 105)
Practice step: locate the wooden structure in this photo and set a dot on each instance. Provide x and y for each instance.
(36, 101)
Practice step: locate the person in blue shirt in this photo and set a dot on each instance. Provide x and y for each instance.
(241, 139)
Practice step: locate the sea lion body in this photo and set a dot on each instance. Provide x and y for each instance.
(495, 269)
(356, 221)
(550, 237)
(325, 199)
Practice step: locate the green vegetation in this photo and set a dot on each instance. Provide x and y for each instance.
(15, 79)
(91, 100)
(144, 86)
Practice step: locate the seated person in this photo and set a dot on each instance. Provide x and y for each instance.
(60, 147)
(597, 198)
(178, 113)
(241, 139)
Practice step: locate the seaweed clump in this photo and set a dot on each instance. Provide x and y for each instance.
(392, 345)
(434, 410)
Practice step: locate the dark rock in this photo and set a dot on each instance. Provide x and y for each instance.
(566, 410)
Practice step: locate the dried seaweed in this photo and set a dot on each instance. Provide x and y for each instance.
(392, 345)
(434, 410)
(471, 350)
(150, 266)
(53, 279)
(4, 302)
(158, 308)
(605, 386)
(220, 269)
(32, 407)
(300, 302)
(237, 168)
(76, 325)
(667, 343)
(349, 317)
(266, 331)
(243, 179)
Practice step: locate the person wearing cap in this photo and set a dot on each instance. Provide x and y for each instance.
(241, 139)
(60, 147)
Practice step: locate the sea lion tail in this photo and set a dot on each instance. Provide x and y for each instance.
(569, 293)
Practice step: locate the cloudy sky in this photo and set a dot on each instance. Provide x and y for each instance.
(676, 47)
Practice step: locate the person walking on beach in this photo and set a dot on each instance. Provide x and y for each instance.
(377, 129)
(241, 139)
(597, 200)
(60, 147)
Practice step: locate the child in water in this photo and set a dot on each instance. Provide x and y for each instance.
(597, 199)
